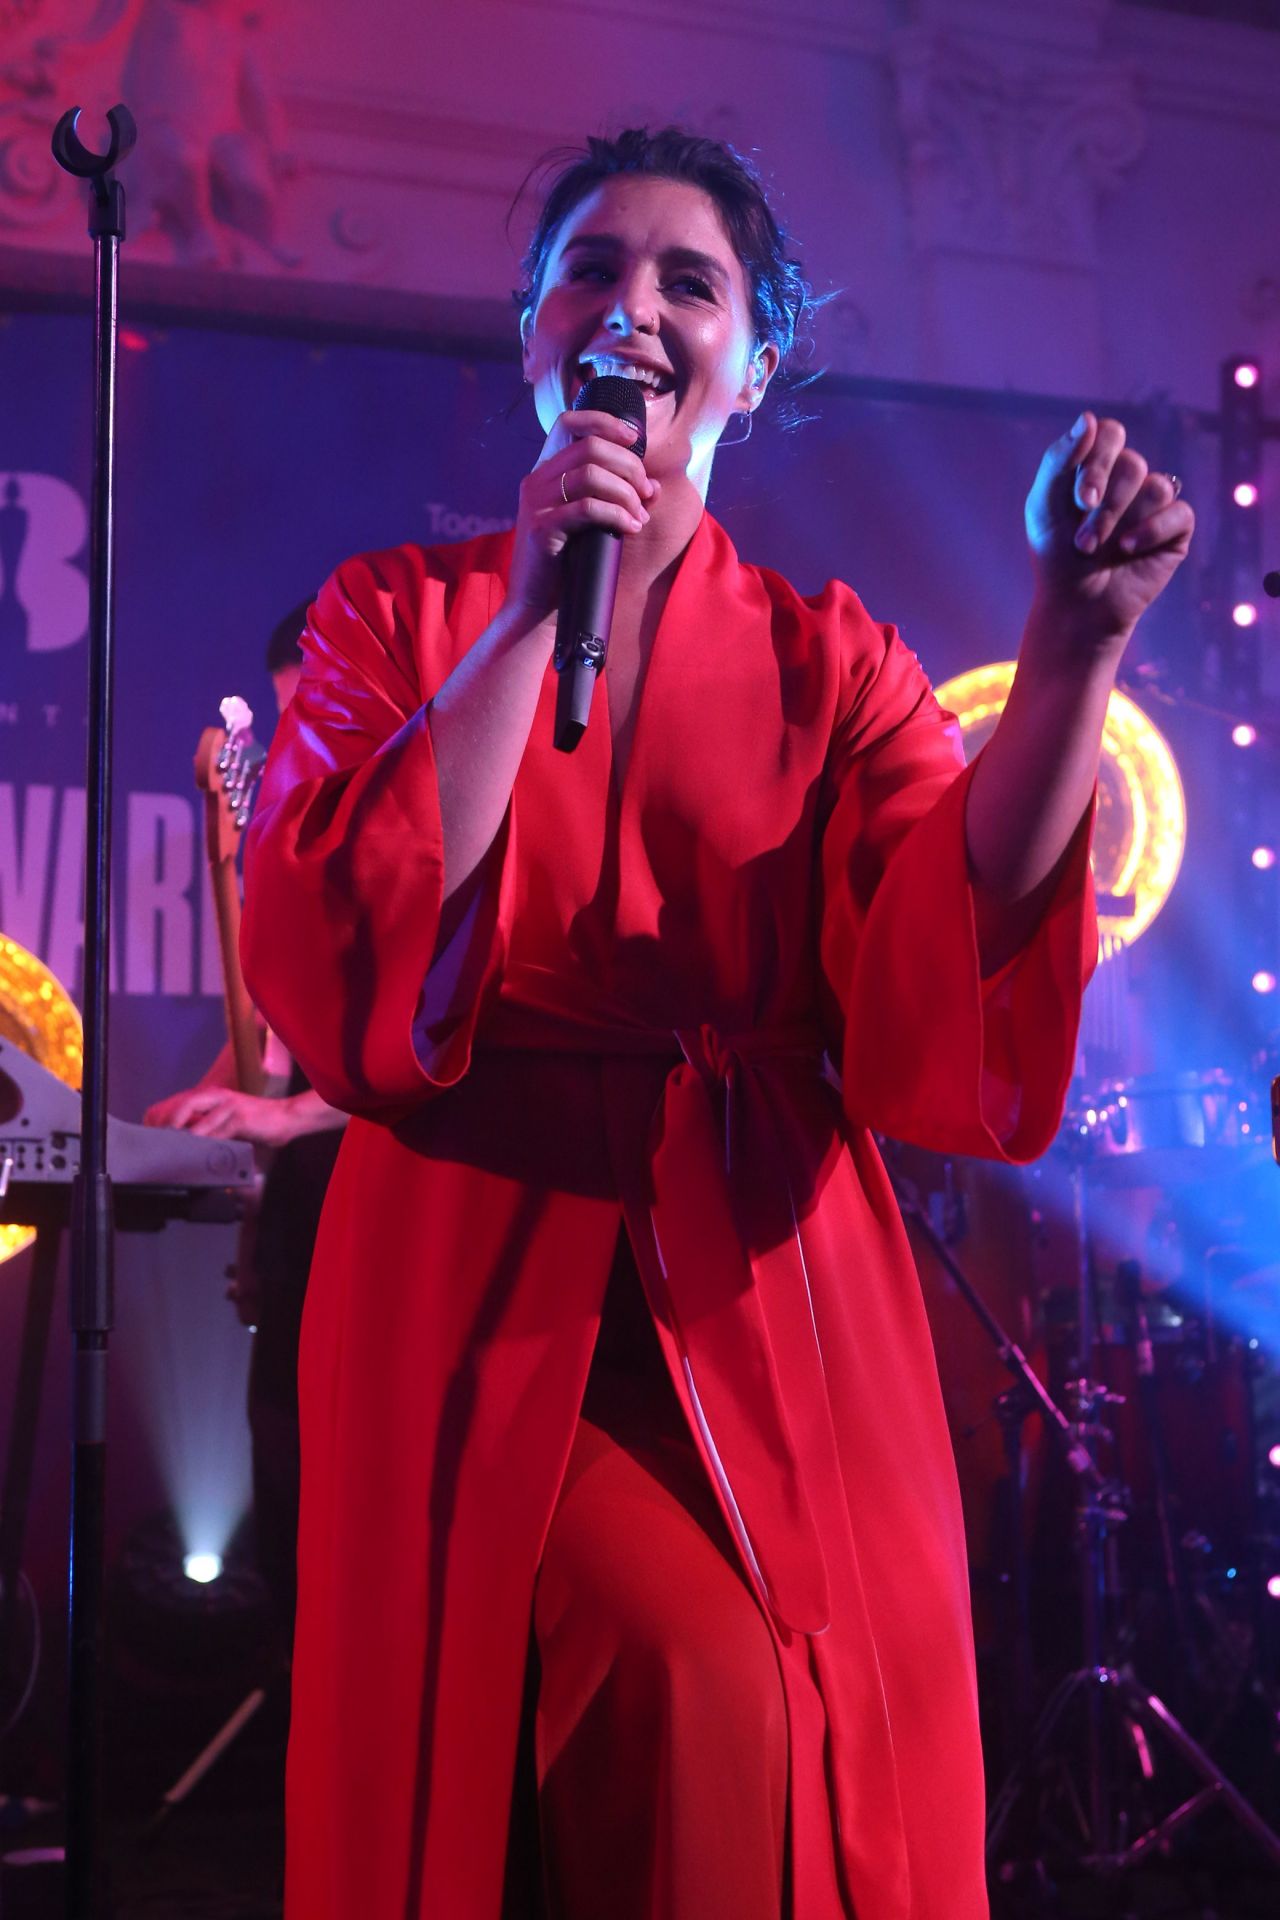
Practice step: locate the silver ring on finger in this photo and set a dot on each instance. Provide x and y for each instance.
(563, 495)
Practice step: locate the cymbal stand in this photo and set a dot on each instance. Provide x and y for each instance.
(1117, 1707)
(1012, 1408)
(1114, 1700)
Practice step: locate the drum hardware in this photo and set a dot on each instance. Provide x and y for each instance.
(1121, 1716)
(1028, 1394)
(1013, 1408)
(1129, 1277)
(949, 1209)
(1119, 1713)
(1189, 1558)
(1167, 1130)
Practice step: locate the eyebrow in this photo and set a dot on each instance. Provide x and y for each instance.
(673, 256)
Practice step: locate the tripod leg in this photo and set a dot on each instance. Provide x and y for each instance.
(1147, 1707)
(207, 1758)
(1006, 1800)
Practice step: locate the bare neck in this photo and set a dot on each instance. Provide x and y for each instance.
(650, 557)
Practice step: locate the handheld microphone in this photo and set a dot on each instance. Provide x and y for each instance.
(589, 582)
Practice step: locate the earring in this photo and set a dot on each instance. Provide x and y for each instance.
(745, 413)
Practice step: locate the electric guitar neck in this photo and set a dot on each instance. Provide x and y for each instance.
(228, 766)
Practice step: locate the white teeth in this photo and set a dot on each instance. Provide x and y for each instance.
(604, 363)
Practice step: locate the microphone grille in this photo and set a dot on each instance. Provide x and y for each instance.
(624, 399)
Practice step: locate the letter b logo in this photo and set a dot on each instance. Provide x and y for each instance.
(44, 594)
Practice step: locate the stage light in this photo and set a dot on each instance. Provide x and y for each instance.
(1245, 614)
(178, 1639)
(1274, 1456)
(202, 1567)
(158, 1568)
(1244, 735)
(14, 1240)
(186, 1365)
(1142, 818)
(1246, 494)
(1246, 374)
(1264, 982)
(1264, 858)
(1273, 1586)
(44, 1019)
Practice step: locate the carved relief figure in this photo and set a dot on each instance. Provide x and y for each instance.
(49, 48)
(207, 175)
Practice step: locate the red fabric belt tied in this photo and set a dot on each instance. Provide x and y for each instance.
(728, 1248)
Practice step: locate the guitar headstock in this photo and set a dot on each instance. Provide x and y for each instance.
(228, 766)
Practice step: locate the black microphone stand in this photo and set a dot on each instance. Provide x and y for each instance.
(92, 1217)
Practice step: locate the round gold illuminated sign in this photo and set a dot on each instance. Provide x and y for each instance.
(1142, 817)
(39, 1016)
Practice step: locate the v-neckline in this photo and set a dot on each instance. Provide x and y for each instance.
(618, 771)
(642, 694)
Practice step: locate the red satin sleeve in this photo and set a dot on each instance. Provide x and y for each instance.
(932, 1053)
(344, 861)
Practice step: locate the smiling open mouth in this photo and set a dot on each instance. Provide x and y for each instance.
(654, 384)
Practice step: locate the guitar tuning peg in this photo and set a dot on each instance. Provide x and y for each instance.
(242, 817)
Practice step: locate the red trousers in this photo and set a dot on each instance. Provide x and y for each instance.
(659, 1729)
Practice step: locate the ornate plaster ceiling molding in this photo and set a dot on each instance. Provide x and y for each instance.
(1200, 69)
(409, 125)
(1064, 26)
(160, 295)
(1011, 145)
(206, 186)
(47, 47)
(827, 26)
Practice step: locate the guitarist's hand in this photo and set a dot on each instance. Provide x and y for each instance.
(223, 1113)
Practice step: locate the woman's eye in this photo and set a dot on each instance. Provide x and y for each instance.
(692, 283)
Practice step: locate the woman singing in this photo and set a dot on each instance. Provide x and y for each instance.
(632, 1581)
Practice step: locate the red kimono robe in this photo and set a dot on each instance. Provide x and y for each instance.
(636, 1034)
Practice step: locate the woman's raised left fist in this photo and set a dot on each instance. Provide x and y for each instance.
(1106, 533)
